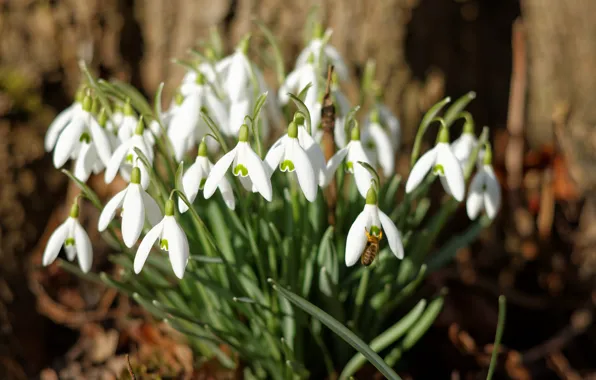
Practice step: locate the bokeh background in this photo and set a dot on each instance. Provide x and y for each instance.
(532, 64)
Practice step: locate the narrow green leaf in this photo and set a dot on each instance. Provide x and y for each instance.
(71, 268)
(87, 192)
(127, 91)
(372, 172)
(424, 323)
(215, 130)
(303, 109)
(424, 124)
(304, 91)
(339, 329)
(498, 336)
(459, 105)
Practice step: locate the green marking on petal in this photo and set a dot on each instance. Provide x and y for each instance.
(240, 170)
(202, 183)
(85, 138)
(69, 242)
(129, 158)
(350, 166)
(163, 244)
(287, 165)
(439, 170)
(375, 230)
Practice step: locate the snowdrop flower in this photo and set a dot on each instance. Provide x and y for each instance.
(83, 129)
(125, 157)
(291, 157)
(382, 149)
(444, 164)
(128, 124)
(88, 160)
(75, 240)
(485, 191)
(297, 80)
(324, 54)
(312, 148)
(171, 238)
(463, 146)
(246, 165)
(352, 153)
(186, 124)
(136, 204)
(72, 114)
(195, 177)
(386, 118)
(376, 223)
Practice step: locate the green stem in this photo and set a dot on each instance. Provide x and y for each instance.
(498, 336)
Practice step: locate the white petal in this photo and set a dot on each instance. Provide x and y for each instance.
(67, 141)
(109, 210)
(256, 172)
(393, 235)
(237, 79)
(55, 242)
(100, 140)
(315, 154)
(57, 126)
(85, 162)
(384, 149)
(363, 179)
(115, 162)
(392, 123)
(453, 173)
(475, 195)
(356, 238)
(238, 110)
(492, 194)
(338, 62)
(420, 169)
(152, 209)
(274, 156)
(133, 215)
(333, 164)
(83, 246)
(191, 181)
(445, 185)
(304, 171)
(227, 193)
(177, 245)
(289, 85)
(145, 177)
(462, 147)
(217, 110)
(218, 171)
(146, 245)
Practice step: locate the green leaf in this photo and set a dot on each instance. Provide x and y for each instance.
(350, 120)
(498, 336)
(339, 329)
(279, 61)
(157, 103)
(103, 99)
(372, 172)
(385, 339)
(459, 105)
(215, 130)
(87, 192)
(424, 323)
(125, 91)
(304, 91)
(304, 110)
(424, 124)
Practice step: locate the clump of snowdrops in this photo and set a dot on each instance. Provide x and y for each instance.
(247, 211)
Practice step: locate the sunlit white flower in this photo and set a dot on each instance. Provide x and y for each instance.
(485, 191)
(352, 154)
(128, 124)
(136, 205)
(313, 150)
(72, 114)
(170, 237)
(444, 164)
(83, 129)
(297, 80)
(195, 177)
(125, 157)
(207, 69)
(289, 156)
(75, 240)
(324, 54)
(246, 165)
(374, 222)
(186, 125)
(88, 160)
(381, 149)
(388, 120)
(465, 144)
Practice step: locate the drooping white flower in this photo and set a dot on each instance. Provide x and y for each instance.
(374, 222)
(444, 164)
(381, 150)
(352, 154)
(324, 54)
(313, 150)
(88, 160)
(128, 124)
(246, 165)
(289, 156)
(485, 191)
(75, 240)
(465, 144)
(388, 120)
(125, 157)
(82, 129)
(136, 206)
(195, 177)
(170, 237)
(186, 125)
(72, 114)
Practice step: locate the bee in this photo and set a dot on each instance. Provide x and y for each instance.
(371, 249)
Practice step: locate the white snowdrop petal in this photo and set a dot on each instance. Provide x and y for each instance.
(392, 234)
(191, 181)
(445, 185)
(84, 163)
(145, 177)
(227, 193)
(152, 209)
(67, 141)
(492, 194)
(239, 108)
(100, 140)
(217, 110)
(133, 215)
(71, 252)
(289, 85)
(315, 154)
(218, 171)
(177, 245)
(420, 169)
(146, 245)
(54, 244)
(453, 173)
(334, 163)
(356, 240)
(474, 202)
(115, 162)
(338, 62)
(384, 149)
(304, 171)
(57, 126)
(109, 210)
(273, 157)
(363, 179)
(257, 173)
(83, 247)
